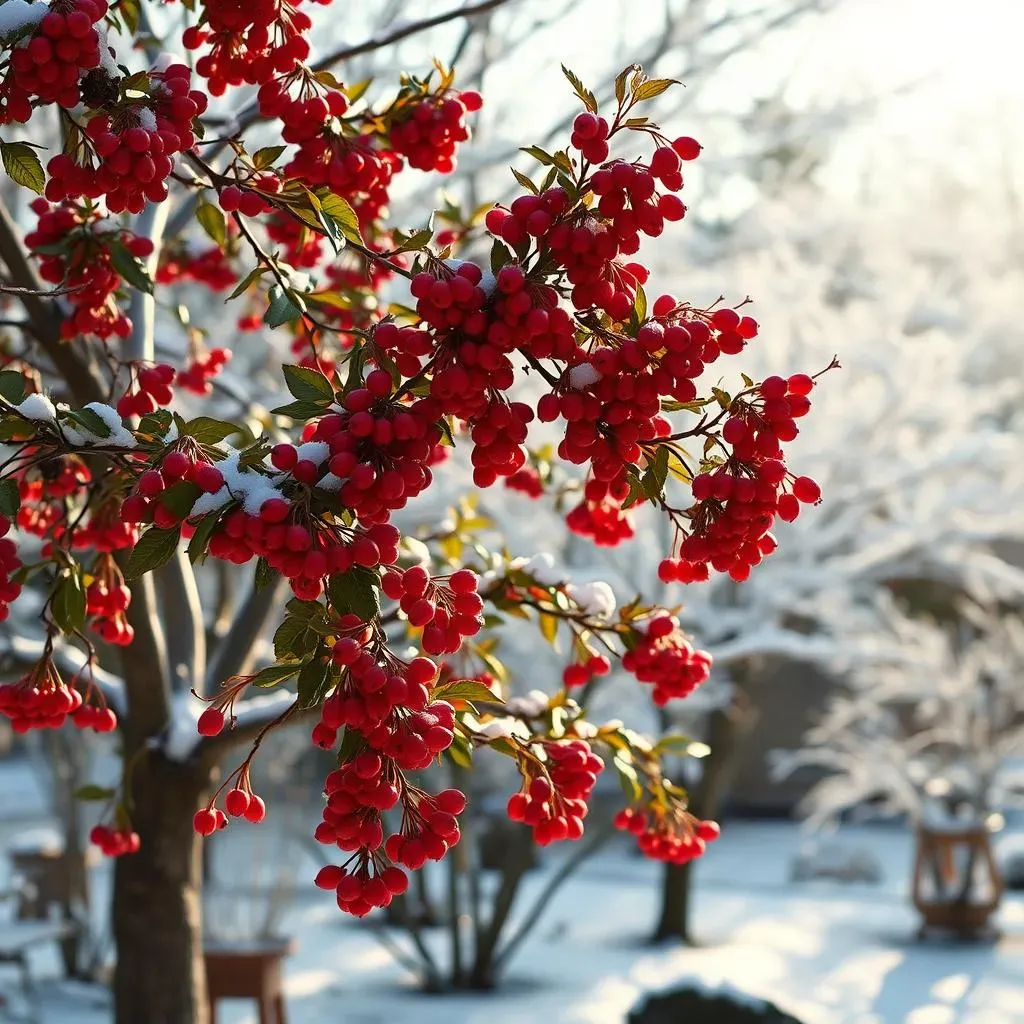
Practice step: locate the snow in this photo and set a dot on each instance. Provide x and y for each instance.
(583, 375)
(262, 706)
(147, 119)
(248, 486)
(182, 735)
(37, 408)
(17, 15)
(825, 952)
(313, 451)
(595, 598)
(119, 437)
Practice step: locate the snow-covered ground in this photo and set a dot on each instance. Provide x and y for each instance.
(829, 953)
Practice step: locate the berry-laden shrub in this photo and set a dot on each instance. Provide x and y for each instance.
(386, 646)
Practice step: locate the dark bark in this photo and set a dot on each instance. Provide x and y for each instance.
(727, 728)
(519, 858)
(159, 976)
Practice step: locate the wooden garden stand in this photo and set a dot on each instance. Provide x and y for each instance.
(957, 885)
(247, 970)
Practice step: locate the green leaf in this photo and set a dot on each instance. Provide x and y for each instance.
(250, 279)
(653, 480)
(416, 242)
(68, 603)
(207, 430)
(274, 674)
(129, 10)
(180, 497)
(211, 220)
(91, 421)
(314, 680)
(461, 751)
(307, 384)
(300, 410)
(352, 743)
(538, 154)
(654, 87)
(358, 90)
(266, 157)
(263, 575)
(201, 538)
(548, 627)
(356, 591)
(464, 689)
(10, 498)
(620, 81)
(293, 638)
(156, 423)
(12, 386)
(499, 256)
(623, 764)
(282, 308)
(588, 98)
(341, 213)
(93, 792)
(130, 269)
(723, 398)
(524, 181)
(23, 166)
(155, 548)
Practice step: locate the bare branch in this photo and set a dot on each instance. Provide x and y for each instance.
(183, 622)
(235, 653)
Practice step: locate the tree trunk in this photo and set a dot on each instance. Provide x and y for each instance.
(727, 728)
(160, 976)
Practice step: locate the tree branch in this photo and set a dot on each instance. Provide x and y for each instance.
(234, 654)
(183, 622)
(144, 665)
(404, 31)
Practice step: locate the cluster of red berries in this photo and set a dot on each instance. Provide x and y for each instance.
(304, 553)
(300, 247)
(355, 168)
(42, 700)
(106, 601)
(43, 489)
(428, 132)
(357, 794)
(146, 504)
(104, 530)
(135, 147)
(663, 656)
(210, 267)
(197, 376)
(375, 452)
(445, 613)
(239, 802)
(581, 673)
(663, 839)
(151, 390)
(554, 803)
(73, 249)
(249, 42)
(737, 503)
(600, 515)
(49, 64)
(233, 199)
(115, 841)
(9, 565)
(526, 481)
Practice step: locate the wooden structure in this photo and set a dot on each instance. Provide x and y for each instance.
(957, 884)
(243, 970)
(43, 901)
